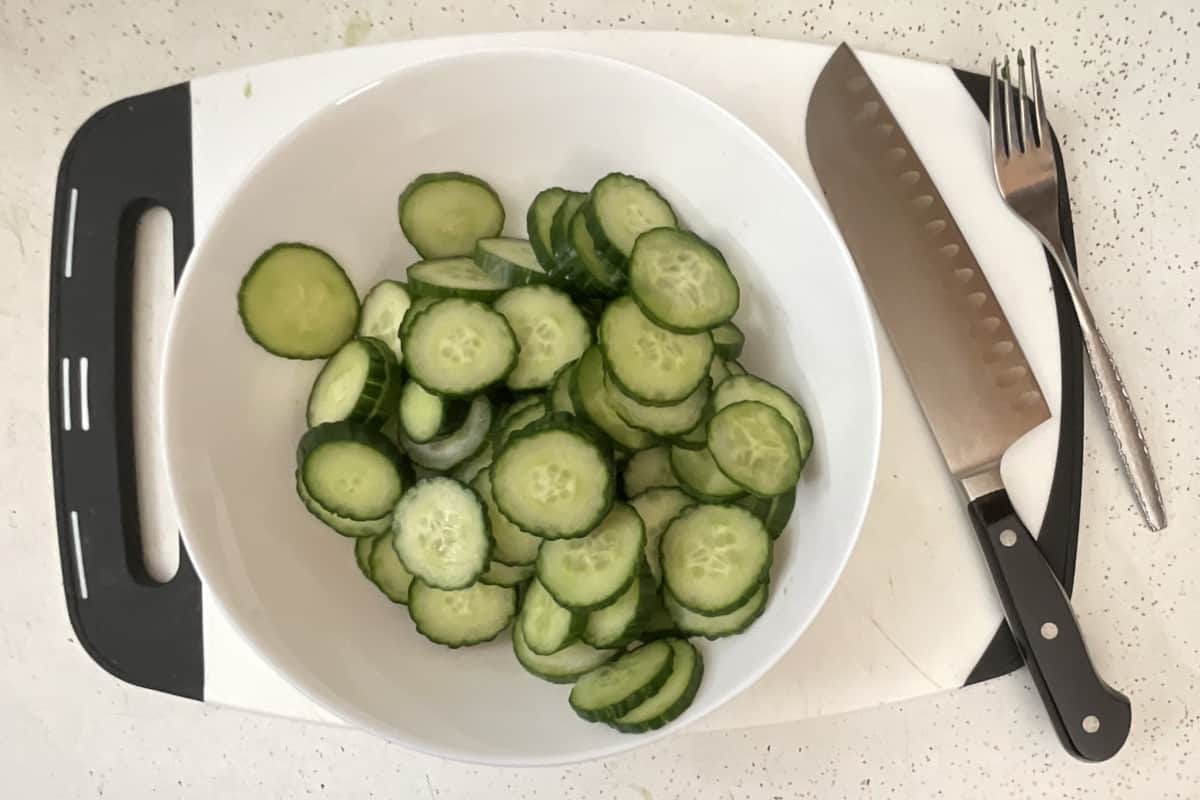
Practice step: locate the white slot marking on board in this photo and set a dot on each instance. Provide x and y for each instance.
(81, 576)
(69, 258)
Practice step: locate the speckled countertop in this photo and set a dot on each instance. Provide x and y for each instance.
(1126, 103)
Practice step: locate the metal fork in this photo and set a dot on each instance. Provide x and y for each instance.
(1027, 173)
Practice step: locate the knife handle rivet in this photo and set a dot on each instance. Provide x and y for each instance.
(922, 201)
(857, 83)
(869, 109)
(899, 154)
(1090, 724)
(935, 227)
(949, 250)
(909, 176)
(1049, 630)
(1008, 538)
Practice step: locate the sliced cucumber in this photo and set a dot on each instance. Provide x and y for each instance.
(546, 626)
(561, 223)
(362, 552)
(591, 572)
(440, 531)
(600, 272)
(454, 277)
(351, 470)
(383, 309)
(755, 447)
(550, 331)
(499, 574)
(714, 558)
(729, 624)
(728, 340)
(718, 371)
(648, 469)
(511, 261)
(696, 438)
(387, 572)
(619, 623)
(613, 690)
(734, 367)
(750, 387)
(673, 698)
(296, 301)
(539, 220)
(657, 507)
(461, 617)
(699, 476)
(359, 383)
(425, 416)
(419, 304)
(657, 623)
(443, 214)
(553, 479)
(518, 420)
(359, 529)
(453, 449)
(649, 363)
(477, 464)
(681, 282)
(664, 421)
(558, 396)
(562, 667)
(773, 511)
(621, 209)
(590, 396)
(513, 546)
(459, 347)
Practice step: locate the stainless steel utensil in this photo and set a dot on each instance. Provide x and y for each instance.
(967, 370)
(1026, 166)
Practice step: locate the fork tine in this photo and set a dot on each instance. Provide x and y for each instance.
(999, 153)
(1039, 106)
(1027, 140)
(1010, 119)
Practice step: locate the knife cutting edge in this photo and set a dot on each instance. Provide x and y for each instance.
(967, 371)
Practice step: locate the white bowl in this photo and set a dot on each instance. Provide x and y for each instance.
(523, 120)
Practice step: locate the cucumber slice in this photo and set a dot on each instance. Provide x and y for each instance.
(419, 304)
(459, 347)
(734, 367)
(696, 438)
(443, 214)
(621, 209)
(538, 221)
(454, 277)
(601, 272)
(473, 467)
(505, 575)
(657, 507)
(714, 558)
(461, 617)
(550, 331)
(615, 689)
(546, 626)
(453, 449)
(773, 511)
(594, 571)
(734, 622)
(718, 371)
(425, 416)
(699, 476)
(665, 421)
(648, 469)
(521, 419)
(513, 546)
(558, 396)
(673, 698)
(681, 282)
(619, 623)
(359, 529)
(560, 226)
(359, 383)
(362, 552)
(296, 301)
(351, 470)
(562, 667)
(387, 572)
(440, 531)
(755, 447)
(649, 363)
(383, 309)
(750, 387)
(590, 396)
(657, 623)
(511, 261)
(728, 340)
(553, 479)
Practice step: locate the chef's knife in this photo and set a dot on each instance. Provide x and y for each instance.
(967, 370)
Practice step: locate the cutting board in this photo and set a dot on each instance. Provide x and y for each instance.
(914, 612)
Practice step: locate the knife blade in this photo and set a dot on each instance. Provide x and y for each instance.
(967, 371)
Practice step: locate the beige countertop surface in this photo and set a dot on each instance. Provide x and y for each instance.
(1125, 96)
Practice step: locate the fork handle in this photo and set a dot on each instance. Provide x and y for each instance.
(1118, 410)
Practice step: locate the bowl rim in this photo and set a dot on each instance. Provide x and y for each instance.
(169, 365)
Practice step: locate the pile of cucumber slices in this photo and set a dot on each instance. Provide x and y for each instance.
(550, 433)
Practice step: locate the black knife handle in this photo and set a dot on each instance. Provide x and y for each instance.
(1092, 718)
